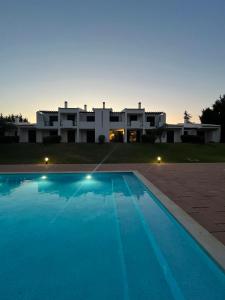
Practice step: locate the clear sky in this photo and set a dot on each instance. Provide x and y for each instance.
(169, 54)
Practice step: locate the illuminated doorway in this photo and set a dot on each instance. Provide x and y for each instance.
(133, 136)
(116, 136)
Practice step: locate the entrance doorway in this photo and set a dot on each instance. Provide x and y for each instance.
(201, 135)
(90, 136)
(32, 136)
(116, 136)
(133, 136)
(71, 136)
(170, 137)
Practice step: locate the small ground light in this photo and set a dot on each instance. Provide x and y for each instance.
(46, 160)
(159, 159)
(88, 177)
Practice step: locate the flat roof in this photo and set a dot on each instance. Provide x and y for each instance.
(174, 126)
(48, 111)
(26, 125)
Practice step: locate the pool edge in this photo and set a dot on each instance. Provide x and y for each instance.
(207, 241)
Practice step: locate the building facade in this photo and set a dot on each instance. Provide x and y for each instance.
(76, 125)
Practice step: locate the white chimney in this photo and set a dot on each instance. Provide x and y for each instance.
(65, 104)
(103, 105)
(85, 107)
(139, 105)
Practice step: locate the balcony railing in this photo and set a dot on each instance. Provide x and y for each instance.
(86, 125)
(135, 124)
(149, 125)
(68, 123)
(51, 123)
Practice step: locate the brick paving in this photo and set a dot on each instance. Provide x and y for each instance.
(198, 188)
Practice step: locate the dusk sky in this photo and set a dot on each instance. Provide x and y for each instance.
(168, 54)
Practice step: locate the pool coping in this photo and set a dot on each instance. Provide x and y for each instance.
(206, 240)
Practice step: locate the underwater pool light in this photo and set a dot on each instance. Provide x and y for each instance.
(43, 177)
(88, 176)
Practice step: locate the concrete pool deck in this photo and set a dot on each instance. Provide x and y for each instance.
(199, 189)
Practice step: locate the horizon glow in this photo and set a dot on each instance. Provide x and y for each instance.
(170, 55)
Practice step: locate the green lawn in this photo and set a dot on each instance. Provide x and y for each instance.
(121, 153)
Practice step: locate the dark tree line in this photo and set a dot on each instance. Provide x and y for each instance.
(8, 122)
(215, 115)
(12, 118)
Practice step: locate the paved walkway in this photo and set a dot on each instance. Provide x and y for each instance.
(198, 188)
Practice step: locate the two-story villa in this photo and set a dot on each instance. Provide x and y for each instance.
(76, 125)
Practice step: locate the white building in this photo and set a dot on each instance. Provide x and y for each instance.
(76, 125)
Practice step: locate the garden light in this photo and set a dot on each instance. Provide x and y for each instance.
(159, 159)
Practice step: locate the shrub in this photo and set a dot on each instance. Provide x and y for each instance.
(101, 139)
(194, 139)
(9, 139)
(52, 139)
(148, 138)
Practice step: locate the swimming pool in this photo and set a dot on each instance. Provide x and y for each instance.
(99, 236)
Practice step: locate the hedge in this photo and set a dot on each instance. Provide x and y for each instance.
(9, 139)
(194, 139)
(52, 139)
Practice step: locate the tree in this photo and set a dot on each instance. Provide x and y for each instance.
(187, 117)
(215, 115)
(8, 122)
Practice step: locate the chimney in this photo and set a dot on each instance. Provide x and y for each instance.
(103, 105)
(65, 104)
(85, 107)
(139, 105)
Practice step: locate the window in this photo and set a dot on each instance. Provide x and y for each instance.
(133, 118)
(52, 119)
(185, 132)
(71, 117)
(90, 118)
(114, 118)
(151, 120)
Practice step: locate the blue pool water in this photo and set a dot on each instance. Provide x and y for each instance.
(68, 236)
